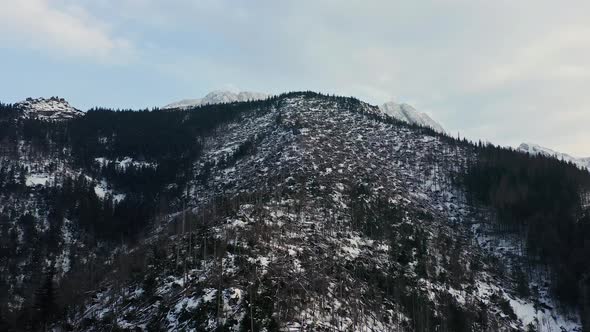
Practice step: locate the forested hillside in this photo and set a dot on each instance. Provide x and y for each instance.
(300, 211)
(545, 202)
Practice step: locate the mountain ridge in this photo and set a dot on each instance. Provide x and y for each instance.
(402, 112)
(217, 97)
(535, 149)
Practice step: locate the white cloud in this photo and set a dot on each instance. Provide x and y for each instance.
(506, 71)
(60, 28)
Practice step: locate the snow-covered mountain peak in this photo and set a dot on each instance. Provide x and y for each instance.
(218, 97)
(409, 114)
(535, 149)
(52, 109)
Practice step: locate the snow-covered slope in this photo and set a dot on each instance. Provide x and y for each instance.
(407, 113)
(54, 109)
(218, 97)
(535, 149)
(307, 256)
(306, 213)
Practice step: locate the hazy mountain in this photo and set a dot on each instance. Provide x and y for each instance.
(218, 97)
(535, 149)
(407, 113)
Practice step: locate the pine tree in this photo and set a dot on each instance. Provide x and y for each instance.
(522, 283)
(45, 305)
(3, 323)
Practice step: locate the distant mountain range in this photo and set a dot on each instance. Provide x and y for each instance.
(535, 149)
(218, 97)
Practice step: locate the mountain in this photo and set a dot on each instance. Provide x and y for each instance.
(218, 97)
(535, 149)
(49, 109)
(402, 112)
(297, 212)
(407, 113)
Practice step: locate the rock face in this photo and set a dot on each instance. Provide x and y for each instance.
(408, 114)
(535, 149)
(51, 109)
(217, 97)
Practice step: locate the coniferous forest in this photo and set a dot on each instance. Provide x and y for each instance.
(170, 140)
(541, 200)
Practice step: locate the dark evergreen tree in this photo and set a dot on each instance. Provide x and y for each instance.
(45, 301)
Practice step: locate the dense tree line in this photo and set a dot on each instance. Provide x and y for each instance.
(539, 198)
(162, 144)
(8, 114)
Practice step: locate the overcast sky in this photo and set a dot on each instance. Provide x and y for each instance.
(504, 71)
